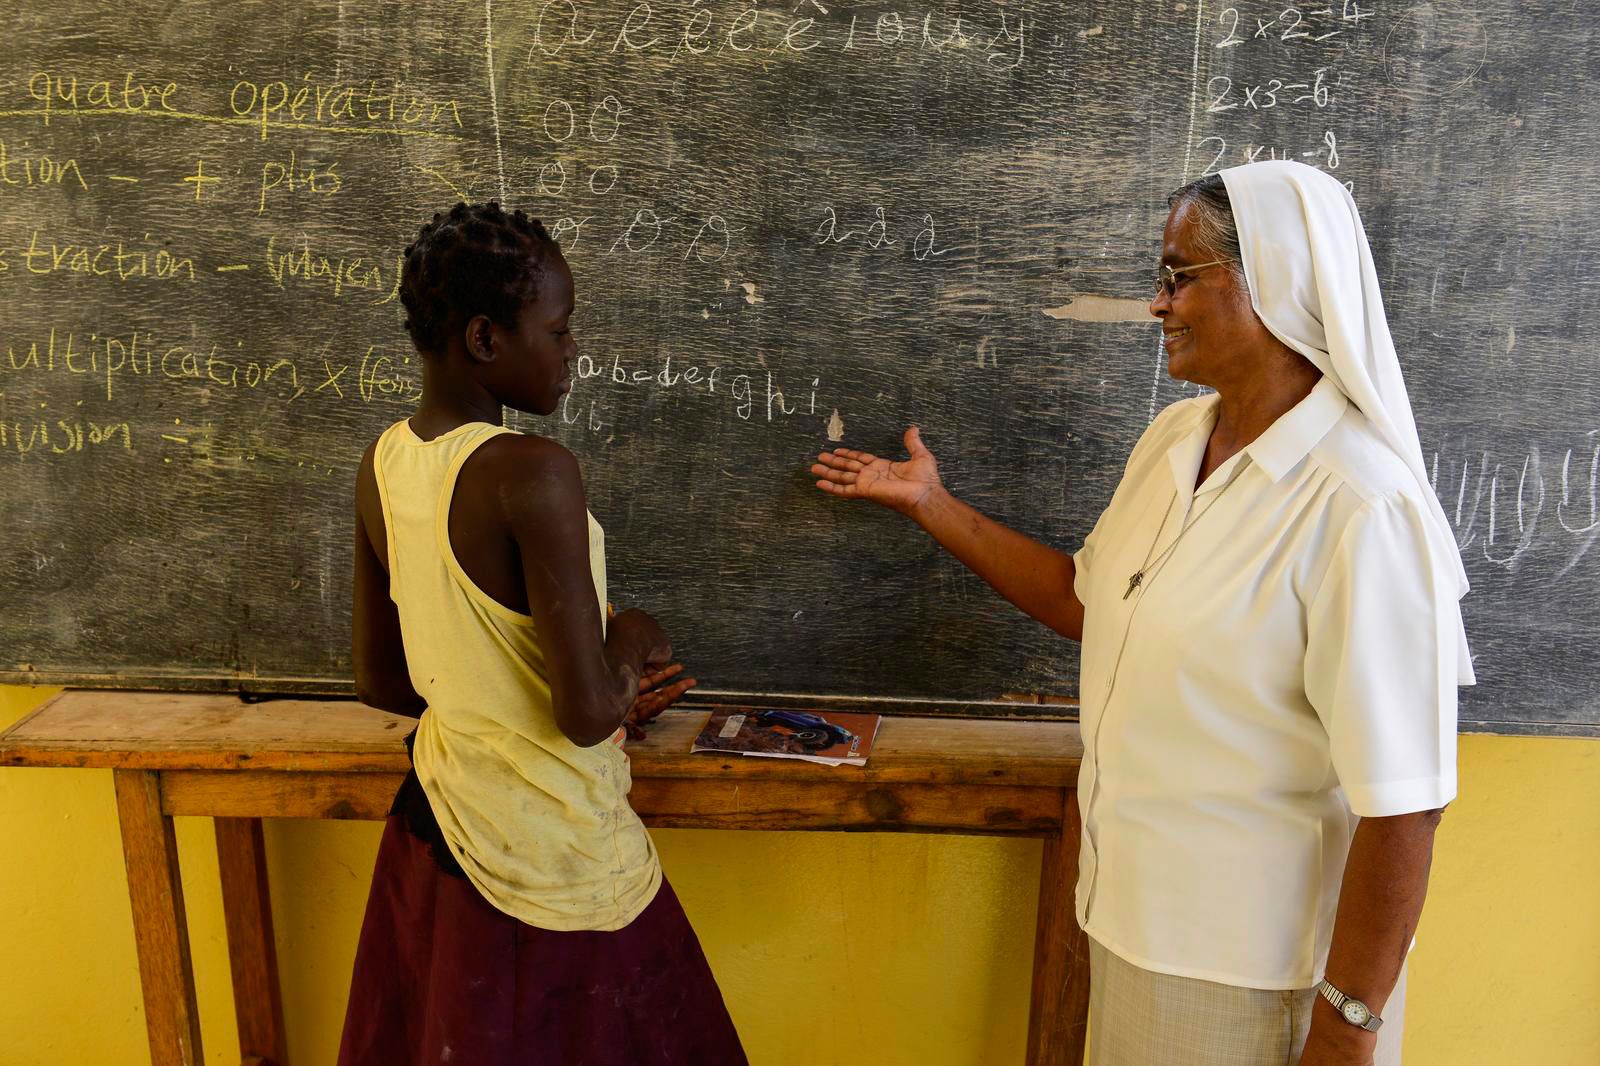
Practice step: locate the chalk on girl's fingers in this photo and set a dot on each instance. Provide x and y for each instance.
(655, 677)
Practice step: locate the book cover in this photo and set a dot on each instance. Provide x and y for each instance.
(827, 737)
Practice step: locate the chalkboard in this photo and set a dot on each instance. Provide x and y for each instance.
(790, 224)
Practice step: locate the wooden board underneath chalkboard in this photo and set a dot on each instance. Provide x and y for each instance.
(788, 226)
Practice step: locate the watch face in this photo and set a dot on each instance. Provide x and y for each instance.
(1355, 1012)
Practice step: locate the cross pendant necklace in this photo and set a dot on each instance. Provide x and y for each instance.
(1136, 579)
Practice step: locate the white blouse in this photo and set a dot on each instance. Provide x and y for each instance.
(1289, 666)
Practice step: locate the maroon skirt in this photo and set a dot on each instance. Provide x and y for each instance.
(441, 976)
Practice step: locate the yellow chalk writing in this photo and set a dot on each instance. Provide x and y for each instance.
(337, 272)
(32, 170)
(107, 357)
(46, 255)
(321, 179)
(106, 361)
(55, 92)
(380, 377)
(61, 436)
(315, 104)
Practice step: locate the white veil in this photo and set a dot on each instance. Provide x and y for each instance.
(1313, 284)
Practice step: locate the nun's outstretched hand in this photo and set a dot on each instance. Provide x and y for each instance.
(900, 486)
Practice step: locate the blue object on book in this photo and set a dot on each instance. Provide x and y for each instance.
(812, 730)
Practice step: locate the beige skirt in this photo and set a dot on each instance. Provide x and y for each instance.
(1141, 1018)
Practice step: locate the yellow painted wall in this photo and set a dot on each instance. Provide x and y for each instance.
(910, 950)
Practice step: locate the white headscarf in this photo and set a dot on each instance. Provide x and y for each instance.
(1313, 284)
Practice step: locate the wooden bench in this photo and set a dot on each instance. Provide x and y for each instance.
(185, 754)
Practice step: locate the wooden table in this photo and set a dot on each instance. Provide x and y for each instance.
(186, 754)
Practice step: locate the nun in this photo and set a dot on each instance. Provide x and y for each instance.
(1269, 611)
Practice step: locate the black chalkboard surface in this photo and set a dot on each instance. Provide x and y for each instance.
(790, 224)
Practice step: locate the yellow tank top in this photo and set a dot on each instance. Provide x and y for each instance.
(541, 826)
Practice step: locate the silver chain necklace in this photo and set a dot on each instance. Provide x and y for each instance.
(1136, 579)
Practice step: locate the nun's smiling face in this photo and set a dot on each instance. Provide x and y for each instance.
(1210, 331)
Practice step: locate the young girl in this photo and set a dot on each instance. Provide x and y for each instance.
(518, 914)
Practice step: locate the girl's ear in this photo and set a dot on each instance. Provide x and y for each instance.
(480, 338)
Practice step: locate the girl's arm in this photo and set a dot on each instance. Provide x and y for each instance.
(594, 671)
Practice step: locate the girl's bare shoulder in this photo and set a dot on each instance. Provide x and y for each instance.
(526, 473)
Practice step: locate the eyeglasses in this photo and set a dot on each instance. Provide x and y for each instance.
(1167, 276)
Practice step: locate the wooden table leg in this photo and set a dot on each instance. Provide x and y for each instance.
(1058, 1017)
(247, 909)
(150, 849)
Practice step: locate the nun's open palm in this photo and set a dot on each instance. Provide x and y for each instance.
(901, 486)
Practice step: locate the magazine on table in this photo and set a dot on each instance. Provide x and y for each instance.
(827, 737)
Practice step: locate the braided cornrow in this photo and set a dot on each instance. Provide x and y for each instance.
(475, 260)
